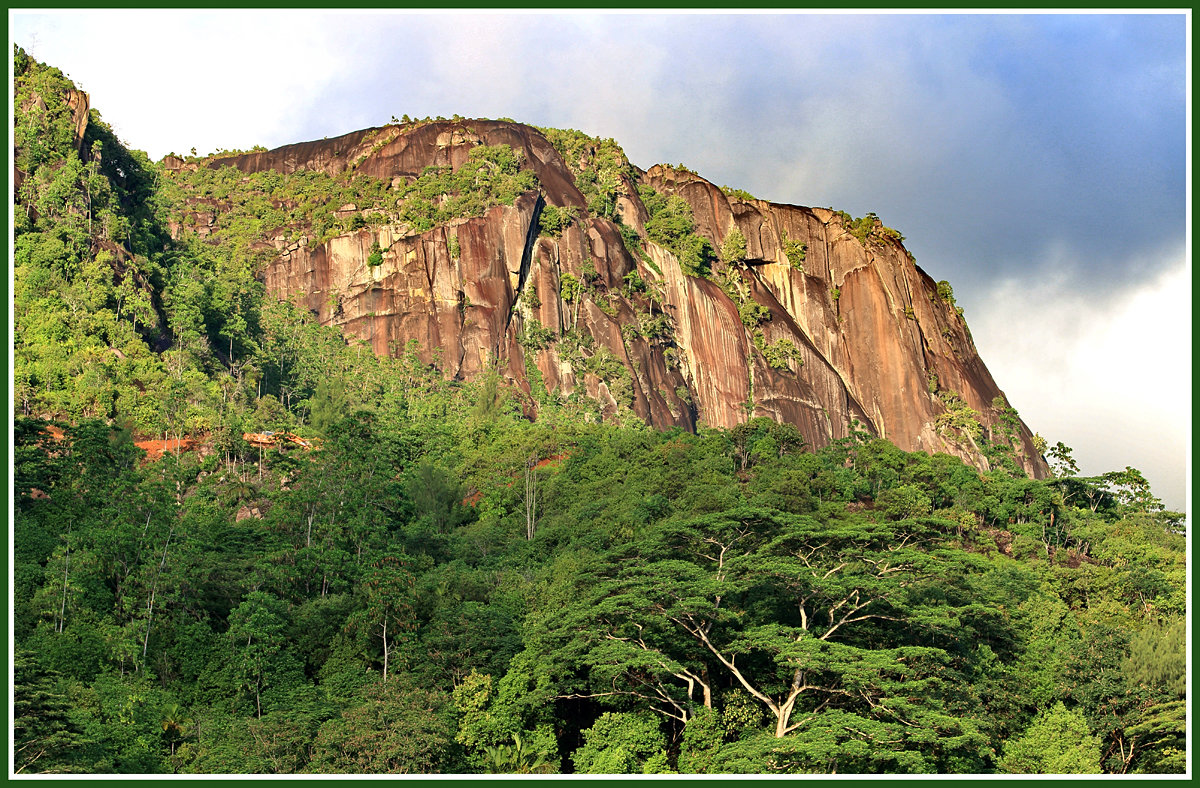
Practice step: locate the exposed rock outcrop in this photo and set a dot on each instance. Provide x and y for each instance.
(869, 339)
(79, 105)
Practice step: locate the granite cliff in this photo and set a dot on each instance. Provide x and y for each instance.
(655, 292)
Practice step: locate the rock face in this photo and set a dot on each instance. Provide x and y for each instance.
(77, 104)
(872, 340)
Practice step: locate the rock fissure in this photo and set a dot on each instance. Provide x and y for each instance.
(531, 236)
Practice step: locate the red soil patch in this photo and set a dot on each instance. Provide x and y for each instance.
(156, 449)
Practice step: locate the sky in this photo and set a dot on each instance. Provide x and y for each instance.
(1039, 162)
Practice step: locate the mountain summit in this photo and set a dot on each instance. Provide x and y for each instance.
(547, 255)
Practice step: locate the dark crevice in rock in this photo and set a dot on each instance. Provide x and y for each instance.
(531, 236)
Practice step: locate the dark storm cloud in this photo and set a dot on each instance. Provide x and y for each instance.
(990, 141)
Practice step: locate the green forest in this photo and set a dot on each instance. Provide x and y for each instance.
(430, 582)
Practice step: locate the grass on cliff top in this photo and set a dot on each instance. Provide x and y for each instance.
(253, 206)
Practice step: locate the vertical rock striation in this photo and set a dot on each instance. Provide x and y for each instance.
(857, 335)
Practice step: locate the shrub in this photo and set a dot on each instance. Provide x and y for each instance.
(633, 284)
(569, 287)
(868, 229)
(958, 416)
(695, 256)
(629, 237)
(778, 353)
(862, 228)
(671, 226)
(794, 250)
(620, 743)
(536, 336)
(599, 166)
(492, 175)
(654, 327)
(589, 273)
(753, 313)
(554, 220)
(733, 249)
(376, 256)
(737, 194)
(945, 292)
(1059, 741)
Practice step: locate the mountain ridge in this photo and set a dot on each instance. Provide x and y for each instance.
(874, 341)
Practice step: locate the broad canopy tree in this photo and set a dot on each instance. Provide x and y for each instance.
(818, 622)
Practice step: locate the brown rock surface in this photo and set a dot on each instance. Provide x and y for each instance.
(864, 356)
(79, 104)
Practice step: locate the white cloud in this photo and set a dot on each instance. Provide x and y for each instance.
(168, 80)
(1109, 376)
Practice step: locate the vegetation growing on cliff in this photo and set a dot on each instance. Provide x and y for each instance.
(777, 354)
(737, 194)
(868, 229)
(491, 176)
(249, 207)
(599, 165)
(44, 125)
(794, 251)
(376, 256)
(554, 220)
(671, 226)
(733, 248)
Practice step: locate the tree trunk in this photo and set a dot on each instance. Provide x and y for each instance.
(385, 649)
(62, 611)
(153, 593)
(784, 714)
(530, 496)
